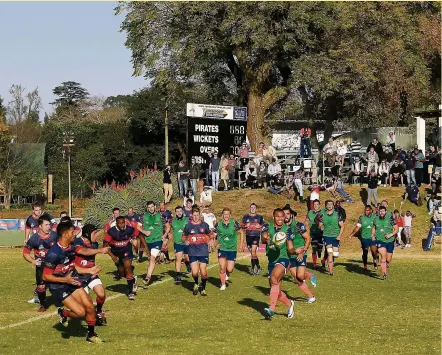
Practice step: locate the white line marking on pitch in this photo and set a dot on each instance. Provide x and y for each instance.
(47, 315)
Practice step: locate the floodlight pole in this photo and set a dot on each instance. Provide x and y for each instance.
(69, 143)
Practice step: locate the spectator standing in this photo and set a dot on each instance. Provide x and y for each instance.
(435, 182)
(167, 184)
(391, 141)
(377, 147)
(408, 218)
(194, 173)
(341, 152)
(435, 228)
(214, 168)
(372, 160)
(224, 171)
(355, 148)
(384, 169)
(274, 171)
(372, 188)
(183, 174)
(432, 159)
(330, 150)
(243, 154)
(357, 169)
(232, 170)
(400, 155)
(251, 174)
(410, 164)
(262, 175)
(396, 174)
(298, 177)
(420, 159)
(205, 167)
(306, 147)
(400, 224)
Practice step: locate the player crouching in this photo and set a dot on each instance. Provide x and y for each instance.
(61, 273)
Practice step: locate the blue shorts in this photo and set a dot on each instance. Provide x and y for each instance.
(124, 254)
(283, 262)
(61, 292)
(331, 241)
(180, 248)
(295, 263)
(229, 255)
(317, 240)
(201, 259)
(389, 246)
(155, 245)
(252, 240)
(367, 243)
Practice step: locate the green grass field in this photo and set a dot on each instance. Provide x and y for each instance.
(11, 238)
(354, 313)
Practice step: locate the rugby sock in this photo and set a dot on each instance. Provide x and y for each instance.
(100, 303)
(304, 288)
(330, 266)
(384, 267)
(282, 297)
(195, 278)
(42, 298)
(130, 284)
(252, 262)
(222, 276)
(315, 259)
(274, 294)
(308, 275)
(256, 261)
(91, 323)
(319, 253)
(203, 281)
(166, 254)
(365, 257)
(140, 254)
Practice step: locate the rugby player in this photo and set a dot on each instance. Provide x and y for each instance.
(383, 231)
(180, 248)
(166, 217)
(119, 239)
(332, 226)
(188, 208)
(278, 262)
(252, 223)
(315, 233)
(61, 273)
(227, 236)
(112, 220)
(31, 224)
(40, 242)
(134, 219)
(365, 226)
(86, 247)
(197, 235)
(154, 235)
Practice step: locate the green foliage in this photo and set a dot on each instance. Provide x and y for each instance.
(70, 94)
(145, 187)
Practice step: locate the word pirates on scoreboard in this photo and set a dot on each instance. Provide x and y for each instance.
(222, 135)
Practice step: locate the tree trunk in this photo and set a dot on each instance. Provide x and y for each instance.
(255, 120)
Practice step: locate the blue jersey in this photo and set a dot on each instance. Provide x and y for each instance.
(166, 216)
(60, 261)
(84, 260)
(40, 245)
(252, 225)
(196, 234)
(32, 223)
(119, 240)
(187, 213)
(134, 219)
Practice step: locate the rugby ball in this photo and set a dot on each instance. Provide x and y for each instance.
(279, 238)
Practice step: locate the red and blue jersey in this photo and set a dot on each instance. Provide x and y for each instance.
(119, 240)
(252, 225)
(85, 261)
(166, 216)
(40, 244)
(60, 261)
(197, 235)
(32, 224)
(134, 220)
(187, 213)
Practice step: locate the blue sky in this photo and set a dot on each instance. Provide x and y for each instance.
(45, 43)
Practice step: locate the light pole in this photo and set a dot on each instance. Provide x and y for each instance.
(166, 134)
(68, 143)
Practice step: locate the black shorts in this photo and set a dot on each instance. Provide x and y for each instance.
(317, 241)
(61, 292)
(252, 240)
(39, 276)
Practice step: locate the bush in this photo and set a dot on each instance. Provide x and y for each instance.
(146, 186)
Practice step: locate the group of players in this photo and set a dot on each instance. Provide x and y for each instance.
(65, 256)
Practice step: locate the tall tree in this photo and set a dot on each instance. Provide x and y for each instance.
(70, 94)
(316, 60)
(23, 106)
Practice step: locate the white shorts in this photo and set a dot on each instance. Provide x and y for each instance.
(92, 284)
(155, 252)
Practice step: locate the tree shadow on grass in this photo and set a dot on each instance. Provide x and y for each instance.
(119, 288)
(254, 304)
(358, 269)
(243, 268)
(74, 328)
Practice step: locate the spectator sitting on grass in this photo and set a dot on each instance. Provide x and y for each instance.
(412, 194)
(433, 203)
(206, 196)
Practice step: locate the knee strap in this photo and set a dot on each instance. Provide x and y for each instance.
(330, 250)
(336, 254)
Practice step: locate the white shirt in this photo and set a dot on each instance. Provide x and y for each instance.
(329, 148)
(342, 150)
(391, 139)
(407, 221)
(187, 198)
(384, 168)
(209, 218)
(206, 196)
(274, 169)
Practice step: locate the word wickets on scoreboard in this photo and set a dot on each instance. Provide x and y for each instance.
(211, 128)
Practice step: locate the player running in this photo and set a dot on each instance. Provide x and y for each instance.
(278, 256)
(152, 228)
(315, 232)
(112, 221)
(383, 231)
(197, 235)
(61, 273)
(181, 249)
(86, 247)
(119, 239)
(252, 223)
(134, 219)
(365, 226)
(227, 237)
(40, 242)
(332, 226)
(166, 217)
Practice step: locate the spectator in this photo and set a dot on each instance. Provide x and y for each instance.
(384, 170)
(189, 196)
(214, 168)
(372, 160)
(183, 174)
(372, 188)
(391, 141)
(400, 155)
(314, 194)
(298, 177)
(410, 163)
(357, 169)
(388, 153)
(435, 182)
(243, 154)
(420, 159)
(355, 148)
(210, 219)
(432, 158)
(435, 228)
(377, 147)
(341, 153)
(205, 167)
(330, 150)
(340, 210)
(262, 175)
(408, 217)
(339, 188)
(413, 195)
(206, 196)
(400, 223)
(396, 174)
(274, 172)
(251, 174)
(433, 203)
(306, 147)
(167, 184)
(232, 170)
(224, 171)
(194, 173)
